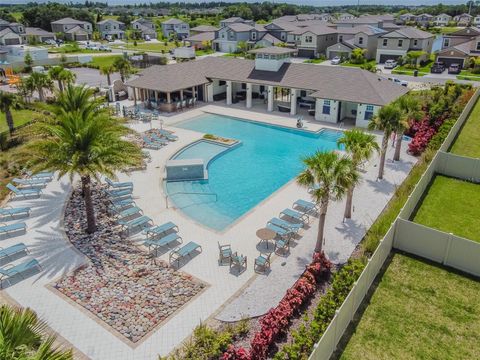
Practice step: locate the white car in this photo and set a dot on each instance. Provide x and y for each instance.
(104, 48)
(398, 81)
(390, 64)
(335, 61)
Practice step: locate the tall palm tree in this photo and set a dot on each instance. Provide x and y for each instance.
(124, 67)
(108, 70)
(39, 81)
(85, 142)
(386, 120)
(22, 336)
(9, 101)
(77, 98)
(360, 146)
(330, 175)
(410, 109)
(55, 74)
(67, 77)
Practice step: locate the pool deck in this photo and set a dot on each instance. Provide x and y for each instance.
(229, 294)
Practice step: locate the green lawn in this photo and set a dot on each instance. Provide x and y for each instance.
(418, 311)
(150, 47)
(358, 65)
(314, 61)
(452, 205)
(447, 29)
(104, 60)
(20, 117)
(468, 141)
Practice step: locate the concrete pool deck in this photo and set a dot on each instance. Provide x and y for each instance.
(229, 294)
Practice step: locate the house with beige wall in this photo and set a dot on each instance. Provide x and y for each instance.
(396, 44)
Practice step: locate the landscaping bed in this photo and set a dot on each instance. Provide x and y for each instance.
(468, 141)
(451, 205)
(418, 311)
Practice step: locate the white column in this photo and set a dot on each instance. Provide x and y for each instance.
(249, 96)
(135, 96)
(293, 101)
(229, 93)
(270, 98)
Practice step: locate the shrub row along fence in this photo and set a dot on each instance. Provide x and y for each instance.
(416, 239)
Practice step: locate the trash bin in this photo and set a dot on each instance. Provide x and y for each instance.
(415, 73)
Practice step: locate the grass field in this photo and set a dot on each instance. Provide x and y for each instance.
(468, 141)
(104, 60)
(20, 117)
(451, 205)
(150, 46)
(418, 311)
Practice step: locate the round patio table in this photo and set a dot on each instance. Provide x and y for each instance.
(266, 234)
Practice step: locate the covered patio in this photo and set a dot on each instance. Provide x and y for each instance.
(168, 101)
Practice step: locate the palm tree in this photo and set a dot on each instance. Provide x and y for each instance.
(22, 336)
(360, 146)
(82, 140)
(409, 107)
(39, 81)
(9, 101)
(124, 67)
(55, 73)
(386, 120)
(108, 70)
(330, 175)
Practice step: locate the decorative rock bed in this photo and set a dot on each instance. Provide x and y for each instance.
(122, 285)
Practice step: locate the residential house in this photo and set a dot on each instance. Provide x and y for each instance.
(235, 20)
(345, 16)
(460, 36)
(37, 35)
(476, 20)
(202, 29)
(111, 29)
(269, 82)
(72, 29)
(424, 19)
(442, 19)
(379, 21)
(364, 37)
(145, 28)
(201, 40)
(313, 41)
(11, 33)
(458, 46)
(282, 30)
(463, 19)
(406, 18)
(398, 43)
(175, 28)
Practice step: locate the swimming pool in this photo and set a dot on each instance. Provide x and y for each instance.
(267, 158)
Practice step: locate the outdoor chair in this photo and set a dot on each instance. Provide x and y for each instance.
(294, 227)
(12, 212)
(11, 270)
(163, 241)
(307, 206)
(178, 106)
(262, 261)
(116, 206)
(149, 144)
(8, 252)
(225, 252)
(34, 182)
(297, 215)
(42, 174)
(284, 233)
(282, 244)
(23, 192)
(142, 221)
(134, 210)
(168, 135)
(7, 229)
(118, 185)
(239, 261)
(119, 193)
(159, 140)
(160, 229)
(179, 253)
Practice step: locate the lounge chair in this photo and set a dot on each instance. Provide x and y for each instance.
(149, 144)
(297, 215)
(160, 229)
(12, 250)
(307, 206)
(42, 175)
(119, 193)
(262, 261)
(23, 192)
(36, 182)
(179, 253)
(118, 185)
(283, 108)
(11, 270)
(284, 233)
(294, 227)
(311, 189)
(159, 140)
(282, 244)
(7, 229)
(168, 135)
(164, 241)
(12, 212)
(239, 261)
(225, 252)
(142, 221)
(129, 212)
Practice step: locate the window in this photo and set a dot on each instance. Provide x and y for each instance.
(254, 35)
(368, 112)
(340, 38)
(478, 46)
(385, 42)
(222, 82)
(400, 43)
(415, 42)
(360, 40)
(326, 107)
(282, 36)
(308, 39)
(446, 42)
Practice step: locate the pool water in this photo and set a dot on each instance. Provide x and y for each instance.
(267, 158)
(202, 149)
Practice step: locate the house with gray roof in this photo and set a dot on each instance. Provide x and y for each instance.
(111, 29)
(37, 35)
(228, 38)
(145, 28)
(270, 82)
(11, 33)
(313, 41)
(175, 28)
(72, 29)
(235, 20)
(460, 45)
(442, 19)
(362, 37)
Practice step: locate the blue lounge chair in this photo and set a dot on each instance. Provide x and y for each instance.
(282, 244)
(118, 185)
(160, 229)
(117, 206)
(168, 135)
(129, 212)
(179, 253)
(13, 250)
(156, 139)
(37, 182)
(11, 270)
(42, 174)
(142, 221)
(149, 144)
(164, 241)
(7, 229)
(12, 212)
(297, 215)
(280, 231)
(23, 192)
(307, 206)
(119, 193)
(285, 224)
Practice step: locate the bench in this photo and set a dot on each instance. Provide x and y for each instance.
(179, 253)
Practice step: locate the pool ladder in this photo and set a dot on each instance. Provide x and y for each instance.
(189, 193)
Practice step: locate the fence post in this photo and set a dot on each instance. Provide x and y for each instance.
(447, 249)
(335, 331)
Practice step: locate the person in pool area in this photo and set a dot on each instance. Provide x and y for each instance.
(299, 123)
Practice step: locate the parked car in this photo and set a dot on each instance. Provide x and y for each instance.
(104, 48)
(438, 67)
(454, 69)
(390, 64)
(398, 81)
(51, 42)
(336, 60)
(147, 38)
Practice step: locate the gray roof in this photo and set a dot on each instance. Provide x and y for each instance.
(328, 82)
(240, 27)
(69, 21)
(366, 29)
(272, 39)
(315, 29)
(110, 20)
(203, 36)
(204, 28)
(410, 33)
(6, 31)
(76, 29)
(232, 19)
(287, 26)
(173, 21)
(32, 31)
(273, 50)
